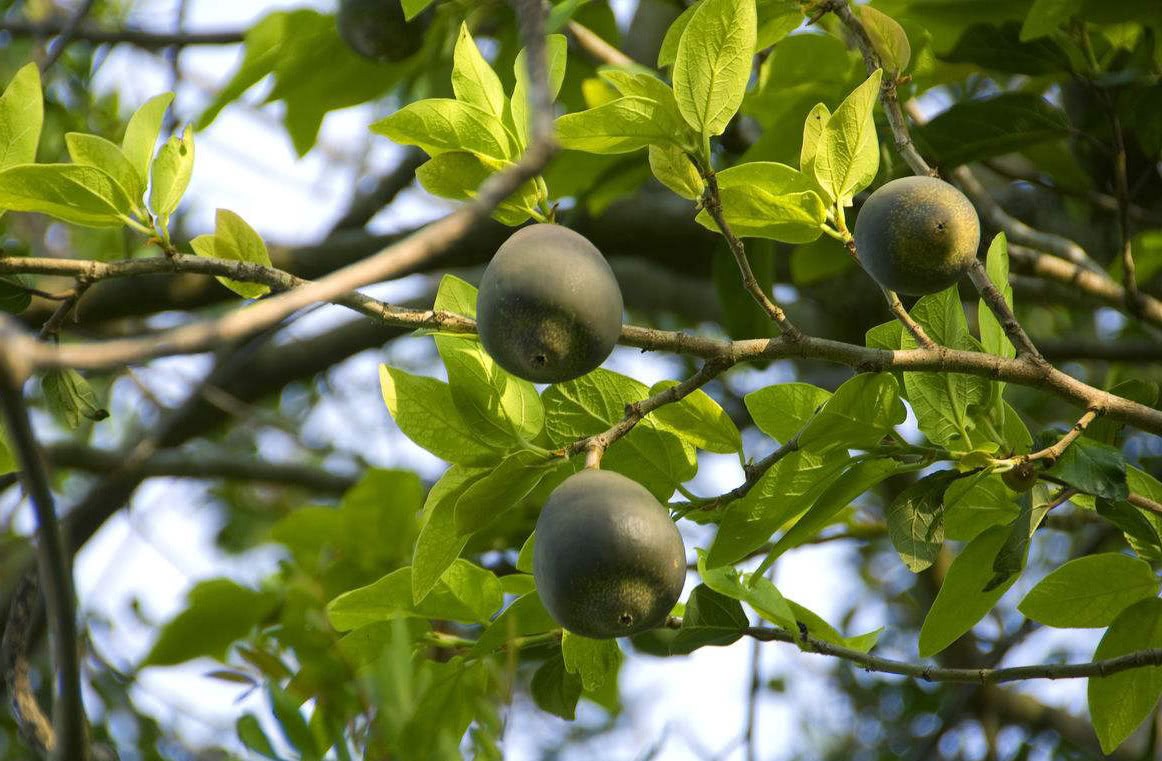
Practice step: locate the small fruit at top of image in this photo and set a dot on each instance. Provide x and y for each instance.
(376, 29)
(607, 559)
(549, 308)
(917, 235)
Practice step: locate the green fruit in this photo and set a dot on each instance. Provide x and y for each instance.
(607, 560)
(376, 29)
(1020, 478)
(917, 235)
(549, 308)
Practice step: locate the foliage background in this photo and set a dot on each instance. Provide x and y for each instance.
(311, 395)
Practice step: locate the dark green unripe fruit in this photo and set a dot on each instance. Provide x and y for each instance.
(608, 561)
(917, 235)
(376, 29)
(1022, 477)
(549, 308)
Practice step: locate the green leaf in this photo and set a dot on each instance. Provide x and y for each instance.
(141, 135)
(1010, 559)
(669, 49)
(1047, 16)
(769, 200)
(439, 125)
(962, 601)
(500, 408)
(555, 689)
(524, 558)
(976, 503)
(594, 660)
(620, 126)
(501, 489)
(21, 118)
(777, 19)
(170, 174)
(458, 176)
(858, 416)
(465, 592)
(1090, 591)
(992, 335)
(888, 38)
(250, 734)
(819, 629)
(649, 454)
(755, 590)
(848, 154)
(83, 195)
(1121, 702)
(70, 398)
(525, 616)
(413, 8)
(1089, 466)
(473, 80)
(787, 489)
(8, 462)
(556, 55)
(855, 481)
(712, 64)
(813, 127)
(979, 129)
(90, 150)
(916, 520)
(999, 48)
(217, 613)
(440, 542)
(699, 420)
(674, 169)
(711, 618)
(781, 411)
(237, 241)
(423, 409)
(1141, 533)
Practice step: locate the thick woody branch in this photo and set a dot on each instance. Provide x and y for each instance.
(996, 303)
(138, 37)
(900, 313)
(34, 726)
(55, 568)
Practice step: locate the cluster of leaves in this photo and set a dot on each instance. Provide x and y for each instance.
(385, 653)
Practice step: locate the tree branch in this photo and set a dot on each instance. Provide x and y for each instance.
(1052, 453)
(54, 563)
(34, 726)
(597, 48)
(995, 301)
(139, 37)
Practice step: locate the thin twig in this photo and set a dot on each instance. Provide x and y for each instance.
(52, 326)
(995, 301)
(1053, 453)
(55, 566)
(597, 48)
(905, 319)
(1097, 200)
(712, 201)
(67, 35)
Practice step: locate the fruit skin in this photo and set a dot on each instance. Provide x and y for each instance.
(549, 308)
(1022, 477)
(917, 235)
(607, 559)
(376, 29)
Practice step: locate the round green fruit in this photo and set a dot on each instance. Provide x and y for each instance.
(917, 235)
(1022, 477)
(376, 29)
(549, 308)
(608, 561)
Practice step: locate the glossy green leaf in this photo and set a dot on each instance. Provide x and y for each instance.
(1046, 16)
(962, 601)
(594, 660)
(999, 47)
(813, 127)
(819, 629)
(674, 169)
(782, 410)
(769, 200)
(237, 241)
(525, 616)
(439, 125)
(70, 398)
(90, 150)
(848, 153)
(556, 55)
(423, 409)
(623, 125)
(21, 118)
(888, 38)
(555, 689)
(1090, 591)
(290, 720)
(473, 80)
(980, 129)
(976, 503)
(699, 420)
(250, 734)
(501, 489)
(861, 412)
(1089, 466)
(992, 335)
(141, 135)
(465, 592)
(1010, 559)
(1118, 704)
(916, 520)
(712, 64)
(83, 195)
(458, 175)
(170, 174)
(711, 618)
(758, 592)
(669, 49)
(440, 542)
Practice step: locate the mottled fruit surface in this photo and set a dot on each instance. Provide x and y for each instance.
(608, 561)
(549, 308)
(917, 235)
(376, 29)
(1021, 478)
